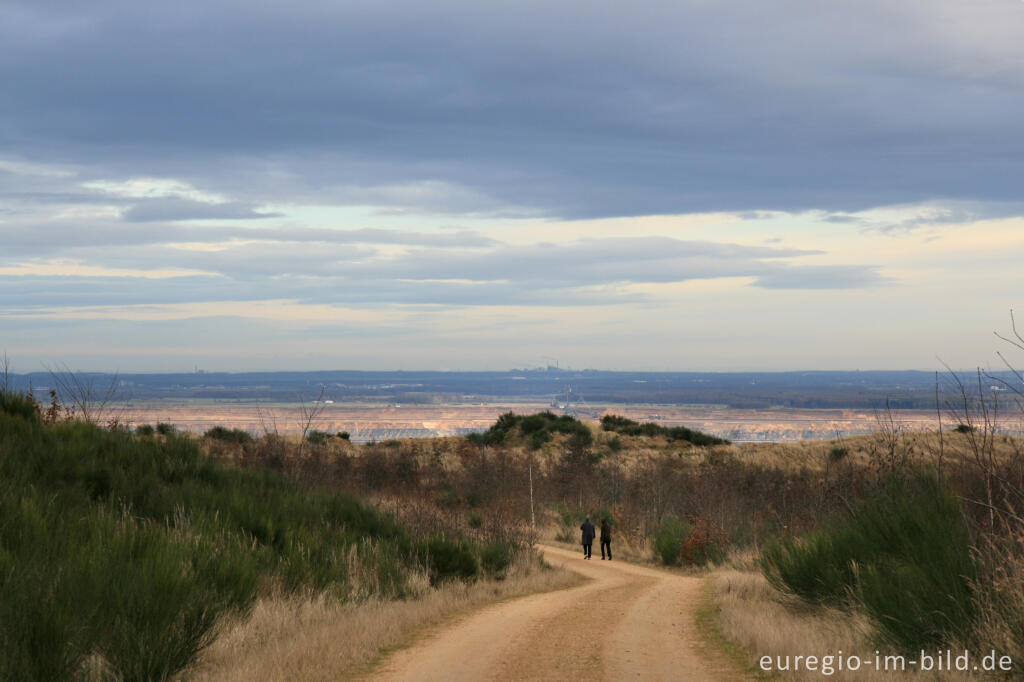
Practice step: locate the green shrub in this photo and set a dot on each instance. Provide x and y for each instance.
(132, 548)
(669, 539)
(318, 437)
(496, 557)
(904, 556)
(18, 404)
(228, 435)
(165, 429)
(533, 423)
(344, 435)
(145, 430)
(538, 428)
(538, 439)
(613, 422)
(628, 427)
(448, 559)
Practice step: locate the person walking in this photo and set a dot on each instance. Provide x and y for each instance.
(588, 537)
(606, 538)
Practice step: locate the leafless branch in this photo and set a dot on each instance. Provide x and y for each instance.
(89, 401)
(310, 413)
(1019, 342)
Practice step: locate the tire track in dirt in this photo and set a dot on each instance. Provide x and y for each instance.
(625, 622)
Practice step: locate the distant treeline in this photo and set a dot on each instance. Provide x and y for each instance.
(744, 390)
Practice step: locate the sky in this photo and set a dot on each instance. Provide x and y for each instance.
(454, 185)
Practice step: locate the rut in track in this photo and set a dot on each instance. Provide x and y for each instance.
(626, 622)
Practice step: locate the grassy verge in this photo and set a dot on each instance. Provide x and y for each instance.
(708, 621)
(322, 639)
(120, 553)
(903, 556)
(754, 619)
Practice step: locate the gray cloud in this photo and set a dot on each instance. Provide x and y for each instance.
(582, 263)
(29, 296)
(91, 237)
(841, 218)
(586, 272)
(577, 110)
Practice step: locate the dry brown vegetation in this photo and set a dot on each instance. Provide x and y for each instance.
(741, 496)
(319, 638)
(751, 613)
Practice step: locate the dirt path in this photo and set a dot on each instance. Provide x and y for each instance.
(626, 622)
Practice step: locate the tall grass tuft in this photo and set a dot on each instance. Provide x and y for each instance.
(903, 556)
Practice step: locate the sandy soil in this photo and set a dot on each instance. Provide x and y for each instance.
(626, 622)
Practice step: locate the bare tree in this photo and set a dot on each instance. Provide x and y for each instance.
(892, 435)
(976, 413)
(309, 414)
(268, 421)
(1017, 389)
(89, 399)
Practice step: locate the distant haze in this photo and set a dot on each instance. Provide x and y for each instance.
(463, 186)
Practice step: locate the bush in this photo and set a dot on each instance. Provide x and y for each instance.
(228, 435)
(628, 427)
(496, 557)
(317, 437)
(145, 430)
(18, 404)
(705, 543)
(132, 548)
(904, 556)
(165, 429)
(449, 559)
(669, 540)
(538, 428)
(538, 439)
(837, 453)
(344, 435)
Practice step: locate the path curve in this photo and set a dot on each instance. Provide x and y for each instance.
(626, 622)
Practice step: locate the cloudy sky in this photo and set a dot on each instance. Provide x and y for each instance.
(690, 185)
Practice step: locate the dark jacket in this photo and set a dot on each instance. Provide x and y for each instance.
(588, 532)
(606, 532)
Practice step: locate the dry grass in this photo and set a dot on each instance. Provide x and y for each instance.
(860, 451)
(321, 639)
(764, 622)
(1001, 624)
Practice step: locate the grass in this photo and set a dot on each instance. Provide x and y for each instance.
(708, 619)
(903, 555)
(756, 621)
(316, 638)
(122, 553)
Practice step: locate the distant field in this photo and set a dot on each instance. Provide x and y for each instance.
(368, 421)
